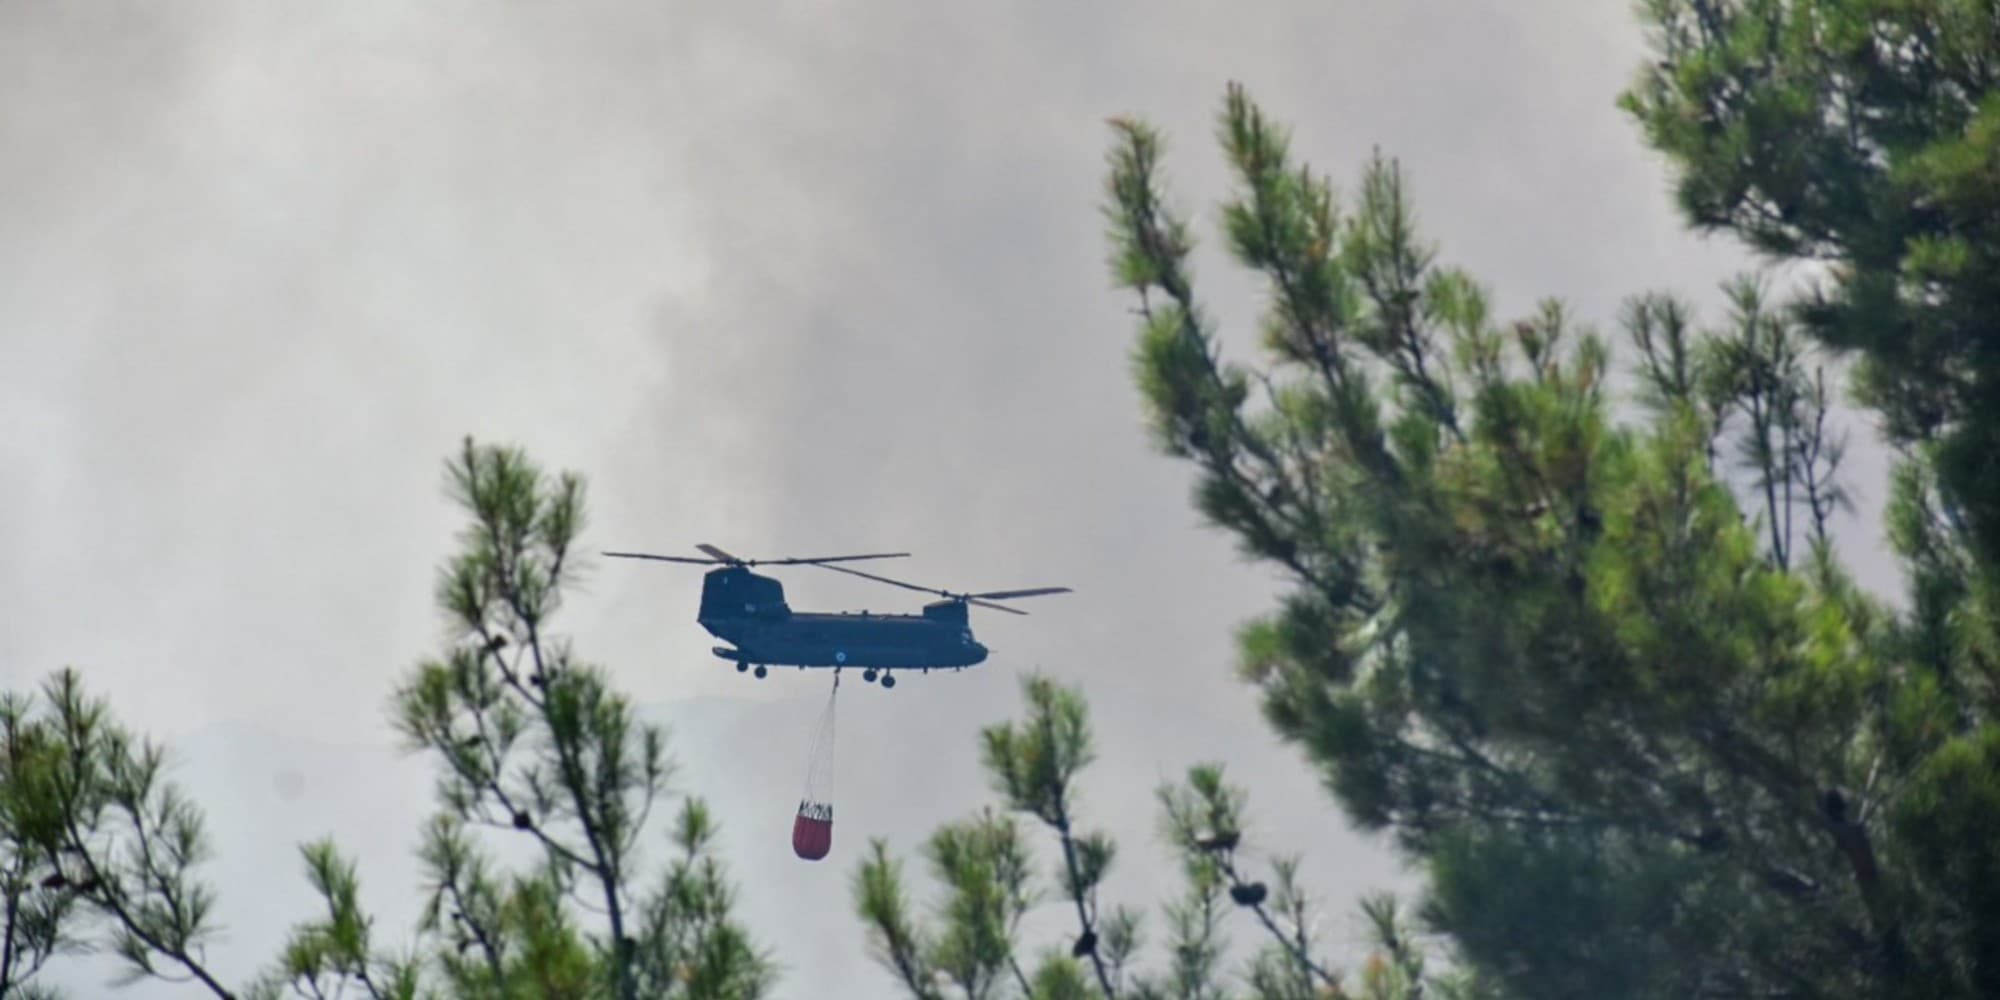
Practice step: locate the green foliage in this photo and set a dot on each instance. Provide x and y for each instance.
(97, 848)
(973, 945)
(1644, 742)
(95, 845)
(533, 743)
(1864, 135)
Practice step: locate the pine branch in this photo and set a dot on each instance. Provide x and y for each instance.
(487, 942)
(13, 891)
(99, 771)
(514, 812)
(1294, 942)
(604, 868)
(1085, 920)
(110, 897)
(516, 525)
(1156, 250)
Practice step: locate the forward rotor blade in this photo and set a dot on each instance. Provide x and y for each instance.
(718, 555)
(1031, 592)
(649, 555)
(823, 560)
(893, 583)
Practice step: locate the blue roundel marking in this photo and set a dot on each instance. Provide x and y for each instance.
(839, 657)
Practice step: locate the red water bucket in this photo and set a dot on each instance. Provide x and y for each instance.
(812, 831)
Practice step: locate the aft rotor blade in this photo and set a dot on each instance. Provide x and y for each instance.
(968, 598)
(985, 600)
(649, 555)
(1032, 592)
(717, 554)
(996, 607)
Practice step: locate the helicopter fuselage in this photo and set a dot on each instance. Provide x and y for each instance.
(748, 611)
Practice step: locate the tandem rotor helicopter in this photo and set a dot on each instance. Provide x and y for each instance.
(749, 611)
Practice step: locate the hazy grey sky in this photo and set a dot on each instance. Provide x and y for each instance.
(787, 277)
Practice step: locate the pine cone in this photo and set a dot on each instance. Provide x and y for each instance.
(1085, 944)
(1224, 841)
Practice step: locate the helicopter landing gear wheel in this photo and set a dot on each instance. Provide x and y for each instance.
(761, 671)
(868, 675)
(741, 666)
(888, 680)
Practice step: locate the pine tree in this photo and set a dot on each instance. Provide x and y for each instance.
(1861, 136)
(986, 869)
(96, 845)
(1592, 660)
(533, 744)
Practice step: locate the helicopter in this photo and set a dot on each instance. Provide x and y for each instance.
(749, 611)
